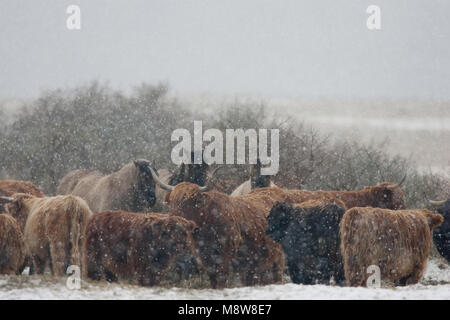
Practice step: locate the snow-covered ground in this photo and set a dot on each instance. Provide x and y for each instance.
(434, 285)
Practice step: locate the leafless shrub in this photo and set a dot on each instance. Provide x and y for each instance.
(95, 127)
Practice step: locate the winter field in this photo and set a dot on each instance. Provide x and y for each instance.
(434, 285)
(132, 134)
(420, 137)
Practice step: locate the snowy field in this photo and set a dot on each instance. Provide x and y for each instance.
(434, 285)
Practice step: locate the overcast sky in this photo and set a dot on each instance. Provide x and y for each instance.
(266, 48)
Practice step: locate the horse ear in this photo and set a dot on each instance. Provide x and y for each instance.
(258, 162)
(136, 163)
(252, 170)
(256, 172)
(183, 173)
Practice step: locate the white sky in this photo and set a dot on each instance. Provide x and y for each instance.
(287, 48)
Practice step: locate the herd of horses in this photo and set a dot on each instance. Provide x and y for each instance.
(141, 225)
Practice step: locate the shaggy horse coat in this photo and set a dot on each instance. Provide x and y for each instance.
(383, 195)
(10, 187)
(397, 241)
(12, 247)
(309, 235)
(53, 230)
(231, 234)
(137, 247)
